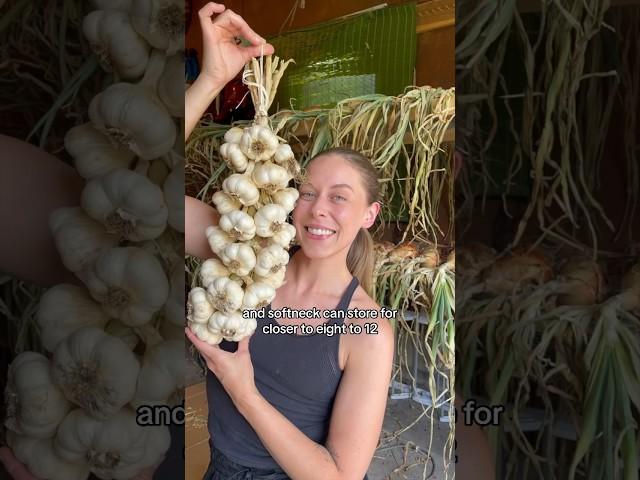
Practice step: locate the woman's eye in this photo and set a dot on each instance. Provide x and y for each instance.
(339, 198)
(306, 194)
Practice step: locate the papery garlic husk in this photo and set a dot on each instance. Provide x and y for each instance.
(79, 238)
(174, 197)
(226, 294)
(199, 306)
(516, 271)
(234, 157)
(285, 235)
(258, 143)
(127, 204)
(34, 404)
(451, 260)
(238, 225)
(119, 330)
(94, 153)
(473, 258)
(161, 380)
(63, 309)
(270, 260)
(241, 188)
(404, 251)
(274, 279)
(118, 47)
(258, 295)
(430, 257)
(40, 458)
(117, 448)
(239, 258)
(130, 115)
(286, 198)
(583, 282)
(160, 22)
(211, 269)
(174, 308)
(171, 85)
(225, 203)
(130, 283)
(218, 239)
(95, 371)
(203, 333)
(233, 135)
(270, 177)
(232, 327)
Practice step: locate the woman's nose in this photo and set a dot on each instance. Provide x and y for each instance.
(318, 208)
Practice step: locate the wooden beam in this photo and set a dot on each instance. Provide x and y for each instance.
(435, 14)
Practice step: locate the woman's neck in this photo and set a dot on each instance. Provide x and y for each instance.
(326, 275)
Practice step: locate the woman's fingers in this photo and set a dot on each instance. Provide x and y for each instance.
(209, 9)
(13, 466)
(257, 50)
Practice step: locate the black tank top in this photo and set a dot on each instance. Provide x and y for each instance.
(297, 374)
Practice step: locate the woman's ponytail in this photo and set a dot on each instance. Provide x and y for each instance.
(360, 260)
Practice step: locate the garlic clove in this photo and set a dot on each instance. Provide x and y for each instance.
(283, 154)
(234, 157)
(270, 260)
(232, 327)
(286, 198)
(226, 294)
(269, 219)
(160, 22)
(239, 258)
(211, 269)
(258, 295)
(225, 203)
(241, 188)
(233, 135)
(270, 177)
(199, 306)
(218, 239)
(258, 143)
(161, 380)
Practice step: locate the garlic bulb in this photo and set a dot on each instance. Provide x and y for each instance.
(241, 188)
(95, 371)
(35, 406)
(94, 153)
(283, 154)
(130, 284)
(63, 309)
(161, 380)
(238, 225)
(258, 143)
(199, 306)
(225, 203)
(118, 47)
(218, 239)
(275, 279)
(79, 238)
(270, 260)
(212, 269)
(171, 85)
(117, 448)
(226, 295)
(232, 327)
(258, 295)
(270, 177)
(39, 456)
(271, 222)
(239, 258)
(160, 22)
(233, 135)
(123, 111)
(201, 331)
(174, 197)
(128, 204)
(234, 157)
(286, 198)
(174, 308)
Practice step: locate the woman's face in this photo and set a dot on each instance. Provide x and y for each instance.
(332, 207)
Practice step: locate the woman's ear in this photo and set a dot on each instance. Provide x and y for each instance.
(371, 214)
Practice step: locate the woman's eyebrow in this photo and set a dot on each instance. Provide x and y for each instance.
(339, 185)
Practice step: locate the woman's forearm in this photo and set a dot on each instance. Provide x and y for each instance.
(196, 100)
(299, 456)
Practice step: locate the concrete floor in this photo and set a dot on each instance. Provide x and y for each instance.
(400, 454)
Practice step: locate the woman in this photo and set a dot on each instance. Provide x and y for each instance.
(295, 406)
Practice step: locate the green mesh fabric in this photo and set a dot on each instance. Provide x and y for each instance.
(372, 52)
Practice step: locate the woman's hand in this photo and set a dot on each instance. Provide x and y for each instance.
(223, 56)
(234, 370)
